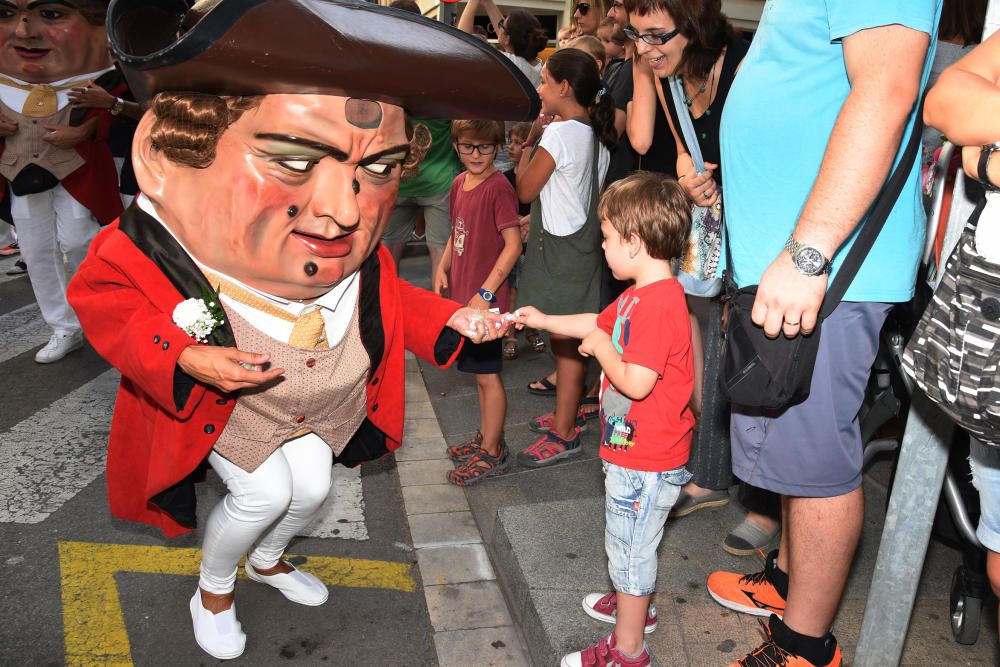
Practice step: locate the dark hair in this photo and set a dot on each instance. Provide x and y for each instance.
(406, 6)
(701, 22)
(187, 126)
(963, 20)
(480, 129)
(652, 207)
(580, 70)
(526, 34)
(521, 130)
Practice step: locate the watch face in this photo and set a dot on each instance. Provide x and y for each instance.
(810, 261)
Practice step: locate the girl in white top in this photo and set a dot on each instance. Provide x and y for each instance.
(560, 173)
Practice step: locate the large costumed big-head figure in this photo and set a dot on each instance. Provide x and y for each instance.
(277, 130)
(42, 41)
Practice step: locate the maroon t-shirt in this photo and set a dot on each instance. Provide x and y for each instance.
(477, 218)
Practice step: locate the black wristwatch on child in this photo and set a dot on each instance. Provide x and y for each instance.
(488, 296)
(985, 153)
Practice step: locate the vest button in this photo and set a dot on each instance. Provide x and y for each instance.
(34, 155)
(310, 362)
(374, 381)
(209, 429)
(300, 419)
(221, 401)
(156, 339)
(166, 345)
(375, 408)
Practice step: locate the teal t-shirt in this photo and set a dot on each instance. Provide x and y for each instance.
(778, 118)
(440, 165)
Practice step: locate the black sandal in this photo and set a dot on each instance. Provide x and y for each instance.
(549, 389)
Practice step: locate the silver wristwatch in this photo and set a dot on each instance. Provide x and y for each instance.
(809, 260)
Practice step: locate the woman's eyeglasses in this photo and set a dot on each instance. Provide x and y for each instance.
(482, 149)
(583, 8)
(650, 38)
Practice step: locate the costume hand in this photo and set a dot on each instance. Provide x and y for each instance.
(66, 136)
(701, 187)
(8, 127)
(529, 316)
(440, 282)
(91, 96)
(594, 339)
(477, 325)
(525, 222)
(221, 367)
(787, 301)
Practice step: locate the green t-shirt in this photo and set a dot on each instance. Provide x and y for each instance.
(440, 165)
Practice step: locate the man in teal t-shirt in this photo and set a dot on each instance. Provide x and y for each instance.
(427, 192)
(812, 126)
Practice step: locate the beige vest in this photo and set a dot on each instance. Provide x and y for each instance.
(27, 147)
(322, 390)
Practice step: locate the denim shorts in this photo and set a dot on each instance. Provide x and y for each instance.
(636, 505)
(986, 479)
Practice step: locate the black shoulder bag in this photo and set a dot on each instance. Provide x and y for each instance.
(776, 373)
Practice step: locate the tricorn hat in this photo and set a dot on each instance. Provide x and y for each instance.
(347, 48)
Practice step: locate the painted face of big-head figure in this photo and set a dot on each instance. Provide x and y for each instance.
(42, 41)
(296, 198)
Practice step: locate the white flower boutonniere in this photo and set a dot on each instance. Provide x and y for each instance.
(200, 318)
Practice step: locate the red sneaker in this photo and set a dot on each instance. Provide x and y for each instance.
(10, 250)
(606, 654)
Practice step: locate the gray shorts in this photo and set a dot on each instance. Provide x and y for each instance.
(814, 449)
(437, 219)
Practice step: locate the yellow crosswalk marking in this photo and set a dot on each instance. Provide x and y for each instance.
(92, 613)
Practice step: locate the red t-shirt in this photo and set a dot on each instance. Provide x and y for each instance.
(477, 217)
(650, 327)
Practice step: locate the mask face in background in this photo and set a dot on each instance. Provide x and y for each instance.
(297, 196)
(42, 41)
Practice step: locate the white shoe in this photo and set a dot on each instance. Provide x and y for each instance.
(219, 635)
(297, 586)
(59, 346)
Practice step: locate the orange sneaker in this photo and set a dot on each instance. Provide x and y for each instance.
(773, 654)
(756, 593)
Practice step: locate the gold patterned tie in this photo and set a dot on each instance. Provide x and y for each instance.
(309, 331)
(41, 102)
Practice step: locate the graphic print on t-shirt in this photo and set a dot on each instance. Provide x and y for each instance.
(458, 236)
(619, 431)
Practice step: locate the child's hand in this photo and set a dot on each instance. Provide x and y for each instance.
(529, 316)
(479, 303)
(440, 282)
(525, 223)
(594, 339)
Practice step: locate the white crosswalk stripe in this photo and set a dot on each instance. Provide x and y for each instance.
(22, 330)
(48, 458)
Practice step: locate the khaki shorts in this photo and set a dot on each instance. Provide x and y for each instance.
(437, 219)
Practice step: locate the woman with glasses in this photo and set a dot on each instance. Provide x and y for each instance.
(696, 43)
(587, 16)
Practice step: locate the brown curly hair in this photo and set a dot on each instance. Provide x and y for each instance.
(187, 126)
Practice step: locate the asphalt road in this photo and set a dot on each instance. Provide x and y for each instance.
(81, 588)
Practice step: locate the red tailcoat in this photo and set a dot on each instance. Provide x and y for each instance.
(164, 424)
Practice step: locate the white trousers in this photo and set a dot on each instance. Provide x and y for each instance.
(53, 230)
(264, 509)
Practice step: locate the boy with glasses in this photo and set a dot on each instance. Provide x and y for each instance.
(485, 243)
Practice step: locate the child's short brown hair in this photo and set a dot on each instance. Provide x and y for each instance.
(588, 44)
(491, 130)
(521, 131)
(652, 207)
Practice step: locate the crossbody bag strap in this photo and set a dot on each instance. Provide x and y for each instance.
(872, 227)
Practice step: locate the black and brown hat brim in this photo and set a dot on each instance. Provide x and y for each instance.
(345, 48)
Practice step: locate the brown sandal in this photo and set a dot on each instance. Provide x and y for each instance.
(509, 349)
(535, 340)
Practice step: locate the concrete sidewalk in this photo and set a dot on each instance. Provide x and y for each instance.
(543, 530)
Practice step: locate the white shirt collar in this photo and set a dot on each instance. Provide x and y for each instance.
(331, 300)
(76, 78)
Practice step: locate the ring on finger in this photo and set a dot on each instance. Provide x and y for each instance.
(791, 324)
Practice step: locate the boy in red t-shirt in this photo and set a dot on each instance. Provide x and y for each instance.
(485, 243)
(643, 343)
